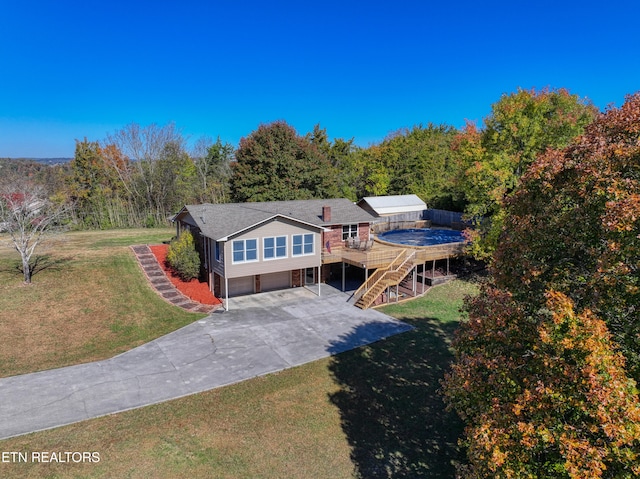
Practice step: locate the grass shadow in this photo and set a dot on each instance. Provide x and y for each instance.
(392, 412)
(38, 264)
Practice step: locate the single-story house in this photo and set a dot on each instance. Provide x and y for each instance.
(380, 206)
(254, 247)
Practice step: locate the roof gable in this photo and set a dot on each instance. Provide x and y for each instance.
(220, 221)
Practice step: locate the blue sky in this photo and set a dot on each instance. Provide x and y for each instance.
(74, 69)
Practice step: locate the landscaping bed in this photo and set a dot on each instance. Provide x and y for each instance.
(195, 289)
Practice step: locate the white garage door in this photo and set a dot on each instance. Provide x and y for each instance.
(274, 281)
(239, 286)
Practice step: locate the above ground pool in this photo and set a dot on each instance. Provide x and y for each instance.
(422, 236)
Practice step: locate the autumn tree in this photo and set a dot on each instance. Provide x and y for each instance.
(573, 226)
(30, 217)
(99, 199)
(153, 153)
(544, 394)
(521, 126)
(539, 375)
(275, 163)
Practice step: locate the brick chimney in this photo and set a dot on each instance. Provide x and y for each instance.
(326, 214)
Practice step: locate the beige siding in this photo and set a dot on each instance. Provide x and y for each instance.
(276, 227)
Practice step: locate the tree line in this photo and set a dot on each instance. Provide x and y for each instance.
(141, 175)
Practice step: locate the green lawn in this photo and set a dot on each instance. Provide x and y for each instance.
(371, 412)
(89, 300)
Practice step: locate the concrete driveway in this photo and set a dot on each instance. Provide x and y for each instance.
(260, 334)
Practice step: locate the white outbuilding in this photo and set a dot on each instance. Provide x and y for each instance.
(380, 206)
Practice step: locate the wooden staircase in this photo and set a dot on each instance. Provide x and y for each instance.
(382, 278)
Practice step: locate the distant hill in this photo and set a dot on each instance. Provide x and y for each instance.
(45, 161)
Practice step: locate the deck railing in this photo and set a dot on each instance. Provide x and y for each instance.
(384, 255)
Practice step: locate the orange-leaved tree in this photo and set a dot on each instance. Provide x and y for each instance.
(574, 226)
(540, 371)
(544, 395)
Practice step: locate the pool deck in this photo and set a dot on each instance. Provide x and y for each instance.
(383, 253)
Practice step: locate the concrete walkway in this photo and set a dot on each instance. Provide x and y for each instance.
(262, 334)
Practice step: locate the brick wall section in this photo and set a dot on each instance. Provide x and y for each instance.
(325, 273)
(363, 231)
(296, 278)
(334, 237)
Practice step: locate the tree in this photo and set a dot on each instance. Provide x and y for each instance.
(521, 126)
(94, 188)
(30, 218)
(544, 395)
(149, 152)
(213, 166)
(540, 372)
(275, 163)
(573, 226)
(340, 153)
(421, 163)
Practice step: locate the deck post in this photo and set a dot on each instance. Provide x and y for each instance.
(414, 279)
(344, 287)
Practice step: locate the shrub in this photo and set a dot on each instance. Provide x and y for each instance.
(183, 257)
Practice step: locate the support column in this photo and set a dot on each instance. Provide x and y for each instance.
(226, 293)
(344, 287)
(414, 279)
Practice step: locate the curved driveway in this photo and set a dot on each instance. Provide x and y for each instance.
(261, 334)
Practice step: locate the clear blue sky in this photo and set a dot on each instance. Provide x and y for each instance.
(362, 69)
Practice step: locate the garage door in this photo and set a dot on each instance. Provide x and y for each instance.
(239, 286)
(274, 281)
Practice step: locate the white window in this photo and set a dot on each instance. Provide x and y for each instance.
(302, 244)
(349, 231)
(245, 251)
(274, 247)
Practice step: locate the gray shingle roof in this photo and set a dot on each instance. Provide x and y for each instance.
(219, 221)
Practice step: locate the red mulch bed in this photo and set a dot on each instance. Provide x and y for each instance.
(194, 289)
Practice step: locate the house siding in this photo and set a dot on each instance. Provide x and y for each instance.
(273, 228)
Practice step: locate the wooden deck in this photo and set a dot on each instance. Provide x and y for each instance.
(382, 254)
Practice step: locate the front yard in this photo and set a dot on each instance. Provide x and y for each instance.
(88, 301)
(371, 412)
